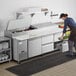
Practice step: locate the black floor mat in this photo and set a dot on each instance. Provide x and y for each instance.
(40, 64)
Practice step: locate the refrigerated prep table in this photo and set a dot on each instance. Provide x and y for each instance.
(30, 42)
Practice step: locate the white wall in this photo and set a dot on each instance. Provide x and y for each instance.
(9, 7)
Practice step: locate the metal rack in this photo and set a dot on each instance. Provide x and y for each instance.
(5, 49)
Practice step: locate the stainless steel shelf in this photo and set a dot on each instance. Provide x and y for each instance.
(5, 60)
(4, 50)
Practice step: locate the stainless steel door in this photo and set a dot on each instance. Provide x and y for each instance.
(22, 49)
(34, 47)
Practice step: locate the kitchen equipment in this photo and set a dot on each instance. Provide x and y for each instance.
(5, 53)
(19, 24)
(19, 50)
(34, 47)
(17, 30)
(58, 45)
(48, 48)
(65, 46)
(5, 45)
(31, 42)
(0, 46)
(18, 27)
(3, 57)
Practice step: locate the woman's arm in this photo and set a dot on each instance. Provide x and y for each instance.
(64, 30)
(62, 36)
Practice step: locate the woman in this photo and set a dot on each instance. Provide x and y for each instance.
(69, 22)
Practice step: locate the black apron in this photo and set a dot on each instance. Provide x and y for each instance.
(72, 36)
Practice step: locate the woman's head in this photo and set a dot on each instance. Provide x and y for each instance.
(63, 16)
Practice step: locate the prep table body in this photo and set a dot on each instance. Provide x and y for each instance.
(27, 44)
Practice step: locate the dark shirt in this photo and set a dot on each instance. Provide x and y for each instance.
(69, 22)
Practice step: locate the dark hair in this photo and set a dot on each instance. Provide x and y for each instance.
(63, 15)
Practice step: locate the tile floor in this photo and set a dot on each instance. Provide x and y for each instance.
(66, 69)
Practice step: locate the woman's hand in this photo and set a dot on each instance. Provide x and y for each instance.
(61, 38)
